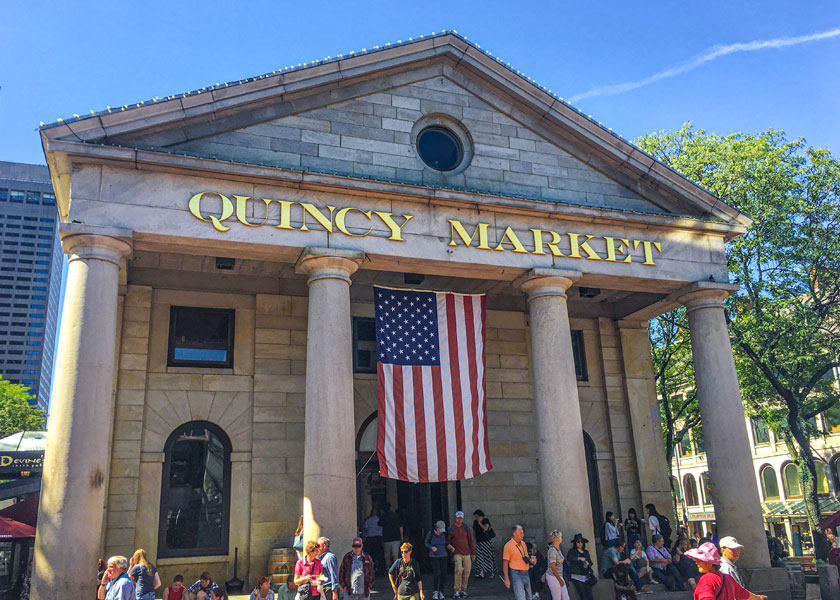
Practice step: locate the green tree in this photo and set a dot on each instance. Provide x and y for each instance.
(673, 371)
(16, 414)
(785, 320)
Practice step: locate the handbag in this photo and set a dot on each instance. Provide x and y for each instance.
(304, 592)
(490, 534)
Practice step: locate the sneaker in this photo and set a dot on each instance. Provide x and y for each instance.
(457, 594)
(437, 596)
(464, 594)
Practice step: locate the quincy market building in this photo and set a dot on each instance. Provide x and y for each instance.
(216, 365)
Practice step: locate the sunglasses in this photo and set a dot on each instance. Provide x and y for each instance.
(405, 551)
(356, 546)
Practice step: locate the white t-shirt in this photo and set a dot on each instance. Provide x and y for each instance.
(653, 523)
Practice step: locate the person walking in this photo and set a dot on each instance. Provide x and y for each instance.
(731, 550)
(662, 565)
(713, 584)
(554, 574)
(392, 533)
(307, 571)
(404, 576)
(144, 575)
(356, 573)
(462, 547)
(115, 583)
(515, 565)
(329, 563)
(580, 567)
(372, 533)
(485, 553)
(263, 590)
(436, 543)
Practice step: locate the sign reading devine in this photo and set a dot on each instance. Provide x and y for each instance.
(355, 222)
(15, 462)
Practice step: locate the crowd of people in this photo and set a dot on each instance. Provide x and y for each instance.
(706, 565)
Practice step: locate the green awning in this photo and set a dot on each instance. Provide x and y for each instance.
(788, 508)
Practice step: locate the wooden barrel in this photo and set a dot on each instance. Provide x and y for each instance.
(281, 566)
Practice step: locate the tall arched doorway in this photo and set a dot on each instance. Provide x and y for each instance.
(594, 483)
(418, 504)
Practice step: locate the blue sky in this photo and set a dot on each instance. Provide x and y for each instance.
(65, 58)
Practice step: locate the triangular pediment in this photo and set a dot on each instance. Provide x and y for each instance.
(360, 117)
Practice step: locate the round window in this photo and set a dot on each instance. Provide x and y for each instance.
(439, 148)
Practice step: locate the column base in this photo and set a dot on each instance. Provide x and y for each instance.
(770, 582)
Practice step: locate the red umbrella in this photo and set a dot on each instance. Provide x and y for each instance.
(13, 530)
(25, 511)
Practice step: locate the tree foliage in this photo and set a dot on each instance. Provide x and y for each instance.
(785, 320)
(16, 414)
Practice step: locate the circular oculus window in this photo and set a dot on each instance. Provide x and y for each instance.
(439, 148)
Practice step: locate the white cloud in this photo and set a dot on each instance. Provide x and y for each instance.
(708, 55)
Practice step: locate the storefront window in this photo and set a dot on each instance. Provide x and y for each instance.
(195, 494)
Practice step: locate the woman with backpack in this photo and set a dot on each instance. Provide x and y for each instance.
(436, 543)
(659, 524)
(714, 585)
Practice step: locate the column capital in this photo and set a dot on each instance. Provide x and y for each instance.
(90, 242)
(546, 282)
(705, 294)
(328, 263)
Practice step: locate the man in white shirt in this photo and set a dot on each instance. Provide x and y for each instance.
(731, 550)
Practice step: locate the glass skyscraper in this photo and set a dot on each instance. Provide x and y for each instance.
(30, 277)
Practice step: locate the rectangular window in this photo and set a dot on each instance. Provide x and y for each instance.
(579, 354)
(761, 433)
(16, 196)
(200, 337)
(4, 195)
(49, 199)
(33, 197)
(364, 345)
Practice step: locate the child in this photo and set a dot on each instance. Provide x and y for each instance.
(624, 589)
(176, 590)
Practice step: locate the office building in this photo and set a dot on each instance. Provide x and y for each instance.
(30, 277)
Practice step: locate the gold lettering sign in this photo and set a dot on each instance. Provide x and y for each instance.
(581, 245)
(327, 218)
(222, 211)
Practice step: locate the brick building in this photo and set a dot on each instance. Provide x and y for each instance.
(233, 235)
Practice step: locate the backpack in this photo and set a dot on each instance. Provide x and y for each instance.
(664, 526)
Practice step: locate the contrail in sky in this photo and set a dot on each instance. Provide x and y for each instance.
(708, 55)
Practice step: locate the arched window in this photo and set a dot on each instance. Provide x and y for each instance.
(790, 474)
(690, 487)
(195, 492)
(769, 483)
(706, 488)
(822, 480)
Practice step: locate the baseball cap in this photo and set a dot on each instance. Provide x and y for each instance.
(730, 542)
(440, 525)
(459, 513)
(357, 542)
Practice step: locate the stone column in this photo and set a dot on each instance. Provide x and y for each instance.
(562, 466)
(329, 463)
(734, 490)
(643, 406)
(70, 516)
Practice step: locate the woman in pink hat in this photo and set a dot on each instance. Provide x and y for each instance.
(714, 585)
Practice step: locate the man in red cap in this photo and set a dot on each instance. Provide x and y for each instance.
(355, 576)
(713, 584)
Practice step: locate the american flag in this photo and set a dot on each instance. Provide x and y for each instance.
(432, 419)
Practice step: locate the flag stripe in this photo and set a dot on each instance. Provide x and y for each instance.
(382, 419)
(469, 323)
(457, 397)
(481, 319)
(399, 420)
(420, 422)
